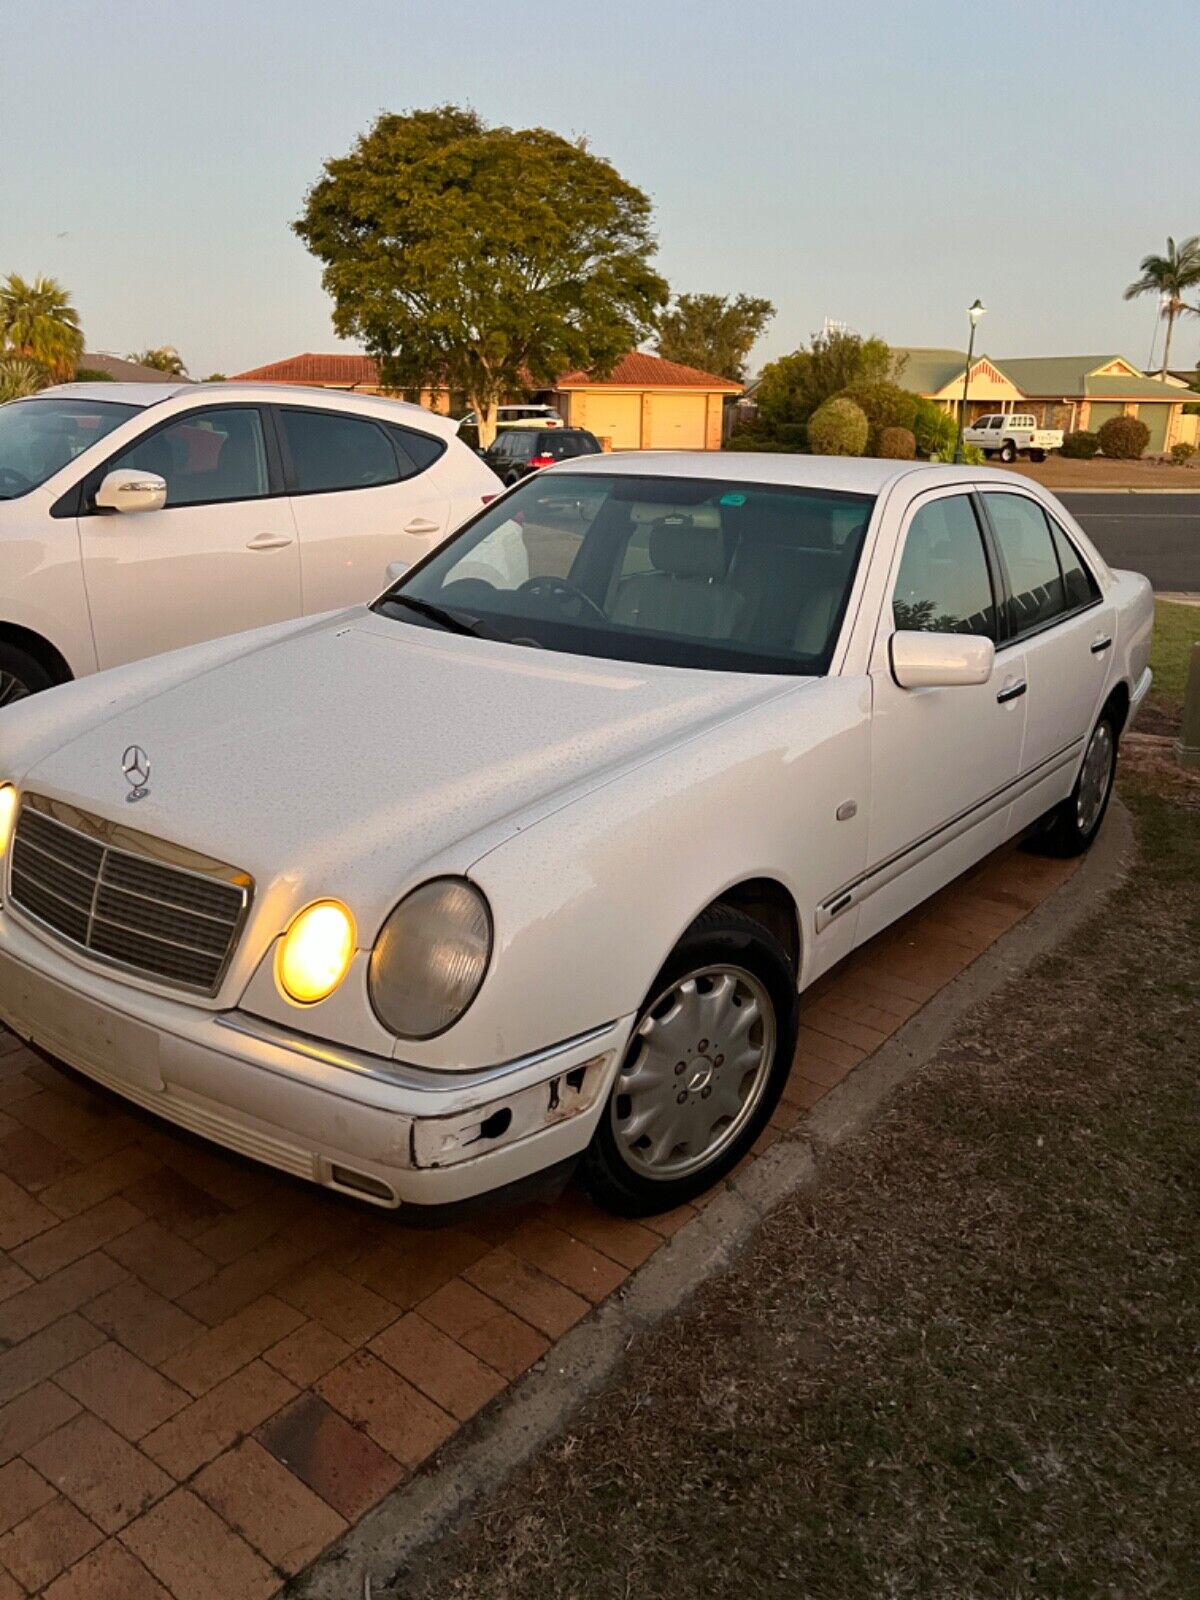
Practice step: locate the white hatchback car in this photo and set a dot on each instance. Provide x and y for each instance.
(247, 504)
(530, 859)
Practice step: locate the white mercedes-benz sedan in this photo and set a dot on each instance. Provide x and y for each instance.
(527, 863)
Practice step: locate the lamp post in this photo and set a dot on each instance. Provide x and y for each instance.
(974, 312)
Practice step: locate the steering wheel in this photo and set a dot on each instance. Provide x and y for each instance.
(570, 599)
(16, 481)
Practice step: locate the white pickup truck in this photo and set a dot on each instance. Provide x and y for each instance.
(1012, 434)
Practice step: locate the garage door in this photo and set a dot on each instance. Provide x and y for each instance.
(1100, 413)
(1155, 418)
(617, 417)
(677, 421)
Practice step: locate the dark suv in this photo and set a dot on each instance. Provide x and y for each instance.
(519, 451)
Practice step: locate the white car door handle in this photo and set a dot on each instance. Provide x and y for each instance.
(268, 541)
(422, 525)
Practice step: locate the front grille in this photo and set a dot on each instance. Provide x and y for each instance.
(173, 923)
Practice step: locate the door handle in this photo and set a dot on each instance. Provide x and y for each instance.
(422, 525)
(1100, 645)
(268, 541)
(1013, 692)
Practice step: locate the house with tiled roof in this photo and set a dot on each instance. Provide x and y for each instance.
(1067, 392)
(644, 403)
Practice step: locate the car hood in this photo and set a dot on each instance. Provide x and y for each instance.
(344, 758)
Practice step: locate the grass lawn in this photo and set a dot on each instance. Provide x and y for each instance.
(965, 1368)
(1176, 629)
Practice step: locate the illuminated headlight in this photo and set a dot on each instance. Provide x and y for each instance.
(316, 952)
(8, 813)
(430, 958)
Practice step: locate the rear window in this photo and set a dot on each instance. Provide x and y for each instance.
(563, 445)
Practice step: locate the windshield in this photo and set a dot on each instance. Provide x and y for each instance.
(690, 572)
(39, 437)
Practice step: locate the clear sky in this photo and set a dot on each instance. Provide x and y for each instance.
(881, 164)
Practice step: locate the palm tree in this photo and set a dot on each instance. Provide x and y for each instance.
(20, 376)
(163, 358)
(37, 320)
(1169, 277)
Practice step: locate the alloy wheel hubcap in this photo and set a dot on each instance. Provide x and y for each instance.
(1094, 779)
(695, 1072)
(11, 688)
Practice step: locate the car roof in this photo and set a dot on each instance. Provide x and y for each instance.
(852, 474)
(143, 395)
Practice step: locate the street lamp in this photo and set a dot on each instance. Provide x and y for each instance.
(974, 312)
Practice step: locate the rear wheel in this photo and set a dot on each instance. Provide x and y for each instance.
(20, 675)
(708, 1058)
(1071, 827)
(1037, 455)
(1008, 451)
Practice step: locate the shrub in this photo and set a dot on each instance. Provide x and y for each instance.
(934, 428)
(1182, 452)
(19, 376)
(1124, 438)
(838, 428)
(897, 444)
(972, 455)
(759, 443)
(1080, 445)
(92, 375)
(793, 387)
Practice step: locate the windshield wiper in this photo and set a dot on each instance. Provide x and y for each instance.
(453, 622)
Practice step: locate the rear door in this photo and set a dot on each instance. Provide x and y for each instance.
(1058, 622)
(363, 496)
(220, 557)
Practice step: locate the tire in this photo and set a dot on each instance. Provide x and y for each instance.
(20, 674)
(732, 965)
(1072, 826)
(1008, 451)
(513, 477)
(1037, 455)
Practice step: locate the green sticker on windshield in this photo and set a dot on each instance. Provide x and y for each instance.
(732, 500)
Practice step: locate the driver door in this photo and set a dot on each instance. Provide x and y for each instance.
(220, 557)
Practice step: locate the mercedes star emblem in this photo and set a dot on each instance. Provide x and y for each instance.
(135, 764)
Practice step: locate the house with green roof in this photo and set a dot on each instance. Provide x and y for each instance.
(1066, 392)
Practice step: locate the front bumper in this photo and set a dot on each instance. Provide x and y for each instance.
(369, 1126)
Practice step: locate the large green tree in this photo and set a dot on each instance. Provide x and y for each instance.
(486, 259)
(38, 321)
(793, 387)
(163, 358)
(714, 332)
(1170, 277)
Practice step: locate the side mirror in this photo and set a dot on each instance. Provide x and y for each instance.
(941, 660)
(129, 490)
(395, 571)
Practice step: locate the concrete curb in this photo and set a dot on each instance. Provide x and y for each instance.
(370, 1558)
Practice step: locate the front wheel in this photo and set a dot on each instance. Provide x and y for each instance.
(704, 1069)
(1008, 451)
(20, 675)
(1072, 826)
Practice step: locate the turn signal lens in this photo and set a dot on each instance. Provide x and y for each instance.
(8, 812)
(316, 952)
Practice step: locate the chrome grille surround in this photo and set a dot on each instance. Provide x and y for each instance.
(124, 898)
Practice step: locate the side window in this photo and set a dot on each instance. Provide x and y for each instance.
(205, 457)
(331, 452)
(943, 585)
(1027, 550)
(1078, 582)
(416, 450)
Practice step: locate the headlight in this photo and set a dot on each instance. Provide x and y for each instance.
(316, 951)
(430, 958)
(8, 812)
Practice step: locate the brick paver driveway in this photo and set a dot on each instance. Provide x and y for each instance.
(207, 1371)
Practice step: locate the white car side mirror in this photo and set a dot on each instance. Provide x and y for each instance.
(395, 571)
(940, 660)
(128, 490)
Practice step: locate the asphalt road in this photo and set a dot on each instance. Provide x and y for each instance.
(1158, 534)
